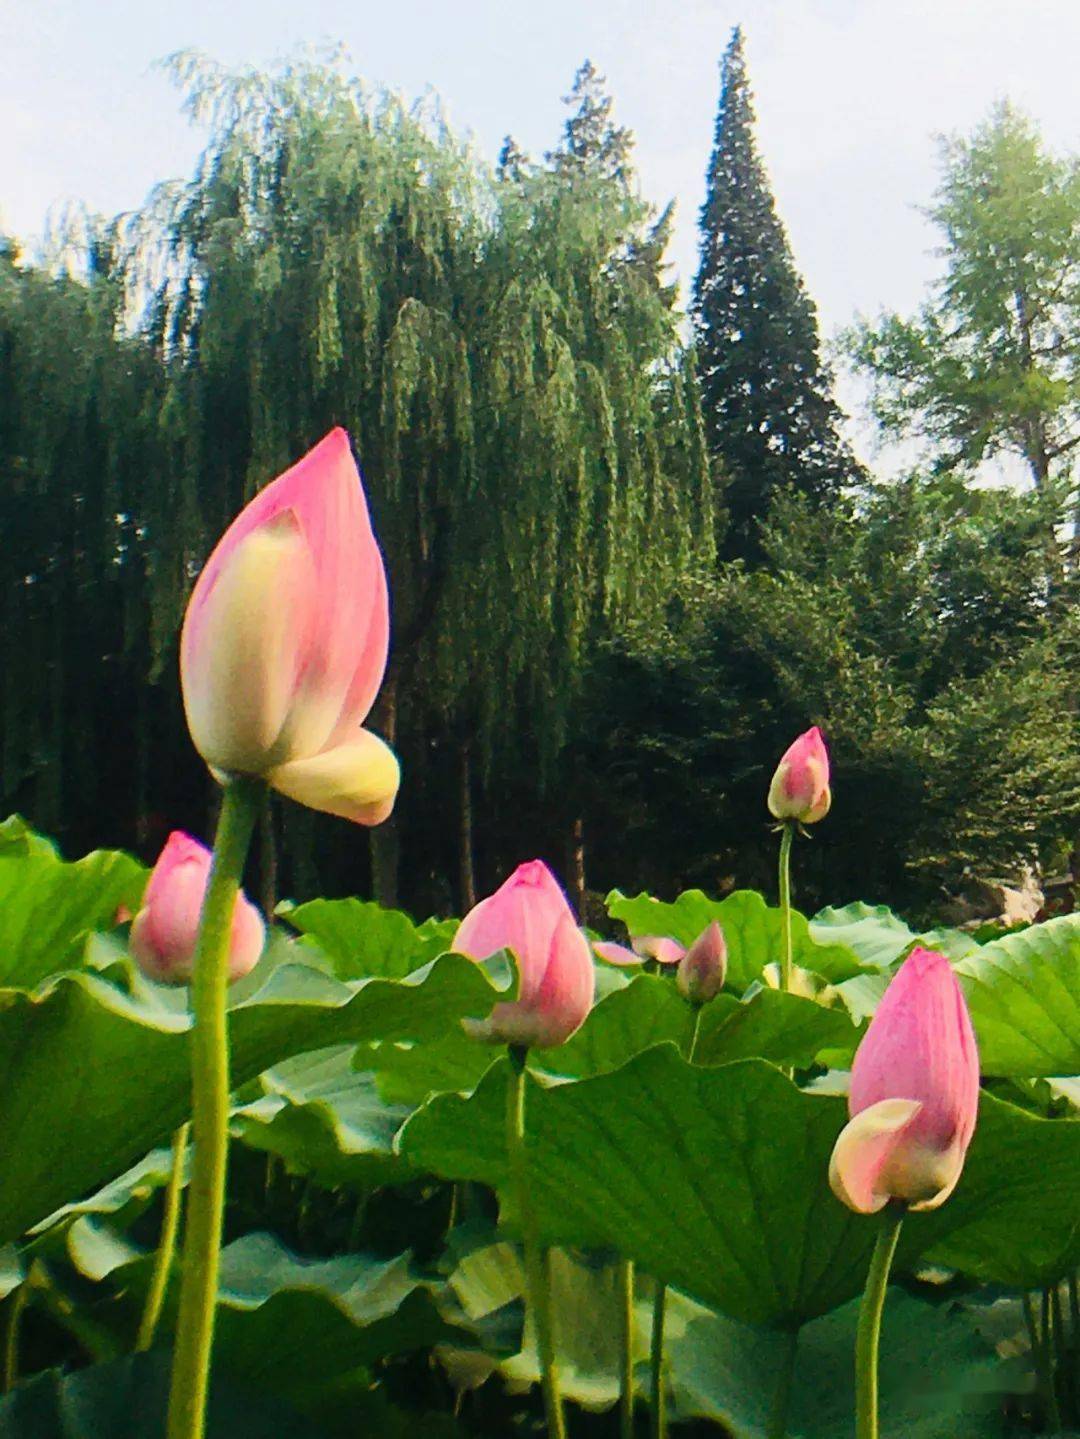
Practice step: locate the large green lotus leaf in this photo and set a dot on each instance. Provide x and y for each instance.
(938, 1374)
(586, 1303)
(647, 1011)
(48, 906)
(410, 1073)
(1024, 995)
(126, 1399)
(91, 1078)
(880, 937)
(1014, 1218)
(363, 939)
(124, 1197)
(783, 1028)
(304, 1330)
(716, 1180)
(752, 929)
(488, 1278)
(323, 1118)
(872, 931)
(713, 1179)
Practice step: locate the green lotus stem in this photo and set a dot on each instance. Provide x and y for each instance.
(778, 1419)
(696, 1035)
(868, 1336)
(657, 1393)
(626, 1379)
(537, 1288)
(1053, 1412)
(1061, 1343)
(210, 1114)
(16, 1305)
(166, 1250)
(786, 837)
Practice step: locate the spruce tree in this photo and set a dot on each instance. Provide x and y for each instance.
(770, 418)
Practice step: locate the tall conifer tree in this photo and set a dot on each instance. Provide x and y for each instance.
(770, 418)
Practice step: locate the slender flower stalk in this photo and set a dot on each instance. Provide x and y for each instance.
(786, 953)
(626, 1378)
(537, 1288)
(868, 1336)
(658, 1390)
(1049, 1331)
(166, 1250)
(210, 1113)
(13, 1329)
(778, 1418)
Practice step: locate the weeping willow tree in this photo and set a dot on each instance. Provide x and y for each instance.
(77, 446)
(500, 345)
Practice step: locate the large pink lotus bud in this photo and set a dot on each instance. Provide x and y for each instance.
(800, 786)
(529, 915)
(645, 946)
(703, 968)
(914, 1094)
(285, 641)
(166, 929)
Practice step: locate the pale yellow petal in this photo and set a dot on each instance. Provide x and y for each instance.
(357, 780)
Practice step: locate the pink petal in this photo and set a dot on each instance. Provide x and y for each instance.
(246, 635)
(520, 916)
(247, 940)
(616, 954)
(800, 786)
(861, 1156)
(562, 1000)
(659, 947)
(920, 1045)
(340, 633)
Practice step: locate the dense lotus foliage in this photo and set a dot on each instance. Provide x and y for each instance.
(371, 1279)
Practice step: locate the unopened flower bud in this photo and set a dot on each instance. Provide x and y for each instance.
(703, 968)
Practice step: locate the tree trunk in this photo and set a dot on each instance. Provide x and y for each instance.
(467, 869)
(386, 837)
(576, 876)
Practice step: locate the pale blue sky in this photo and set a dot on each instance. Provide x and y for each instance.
(850, 94)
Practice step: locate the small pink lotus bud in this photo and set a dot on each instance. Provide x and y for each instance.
(165, 931)
(285, 641)
(529, 915)
(914, 1094)
(703, 968)
(645, 946)
(800, 786)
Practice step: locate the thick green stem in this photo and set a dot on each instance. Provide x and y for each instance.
(778, 1418)
(786, 837)
(209, 1114)
(658, 1392)
(626, 1378)
(868, 1336)
(166, 1251)
(537, 1289)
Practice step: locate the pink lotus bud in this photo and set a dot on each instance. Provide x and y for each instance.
(800, 786)
(165, 931)
(285, 641)
(914, 1094)
(703, 968)
(645, 946)
(529, 915)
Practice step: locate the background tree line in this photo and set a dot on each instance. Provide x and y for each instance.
(629, 558)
